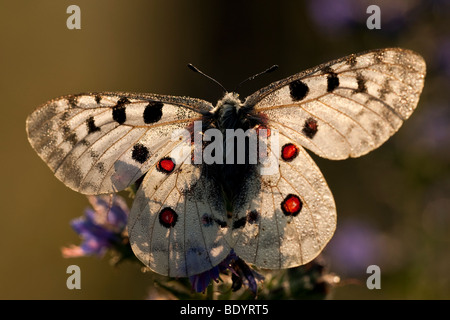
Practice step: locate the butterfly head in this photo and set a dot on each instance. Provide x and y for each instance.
(229, 100)
(227, 109)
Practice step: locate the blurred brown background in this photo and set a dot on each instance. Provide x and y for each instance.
(393, 204)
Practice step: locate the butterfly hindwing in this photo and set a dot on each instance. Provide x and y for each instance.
(288, 216)
(347, 107)
(102, 143)
(178, 226)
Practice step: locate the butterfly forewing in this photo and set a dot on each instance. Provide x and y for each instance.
(347, 107)
(102, 143)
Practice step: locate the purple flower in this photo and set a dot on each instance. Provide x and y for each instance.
(244, 275)
(354, 247)
(202, 280)
(241, 274)
(100, 228)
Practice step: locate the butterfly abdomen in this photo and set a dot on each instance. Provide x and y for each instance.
(239, 145)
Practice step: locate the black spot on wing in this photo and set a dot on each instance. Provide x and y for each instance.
(239, 223)
(253, 216)
(362, 88)
(91, 127)
(119, 111)
(100, 167)
(69, 135)
(72, 138)
(310, 127)
(221, 223)
(98, 98)
(140, 153)
(332, 81)
(65, 116)
(384, 90)
(93, 154)
(298, 90)
(207, 220)
(153, 112)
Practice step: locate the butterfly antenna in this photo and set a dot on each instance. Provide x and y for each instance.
(195, 69)
(268, 70)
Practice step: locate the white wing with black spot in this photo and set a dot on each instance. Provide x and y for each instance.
(285, 218)
(102, 143)
(344, 108)
(178, 224)
(347, 107)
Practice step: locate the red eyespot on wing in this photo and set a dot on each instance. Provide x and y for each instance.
(289, 152)
(166, 165)
(167, 217)
(291, 205)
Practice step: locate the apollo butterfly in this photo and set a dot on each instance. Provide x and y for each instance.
(188, 215)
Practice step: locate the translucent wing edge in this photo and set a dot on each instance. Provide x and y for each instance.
(254, 98)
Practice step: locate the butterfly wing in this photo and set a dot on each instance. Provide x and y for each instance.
(287, 216)
(344, 108)
(178, 224)
(347, 107)
(102, 143)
